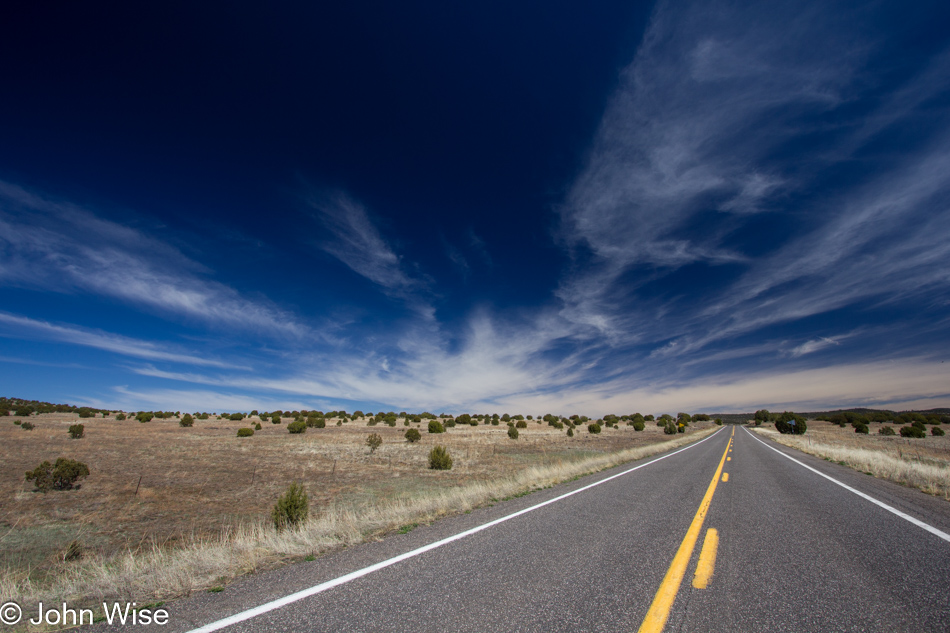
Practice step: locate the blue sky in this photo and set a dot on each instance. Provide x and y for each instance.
(525, 207)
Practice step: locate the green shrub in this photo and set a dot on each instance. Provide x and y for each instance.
(59, 476)
(245, 432)
(257, 426)
(513, 432)
(120, 416)
(236, 416)
(439, 459)
(886, 430)
(936, 431)
(639, 426)
(669, 427)
(29, 426)
(436, 427)
(317, 423)
(521, 424)
(790, 424)
(17, 422)
(76, 431)
(203, 416)
(718, 421)
(570, 432)
(861, 428)
(413, 435)
(298, 426)
(275, 419)
(593, 428)
(912, 431)
(291, 508)
(186, 420)
(374, 441)
(144, 416)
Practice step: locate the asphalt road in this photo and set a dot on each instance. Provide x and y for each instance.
(796, 552)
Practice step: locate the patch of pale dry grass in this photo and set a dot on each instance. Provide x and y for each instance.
(892, 460)
(161, 572)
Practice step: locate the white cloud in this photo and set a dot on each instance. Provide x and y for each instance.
(61, 247)
(356, 242)
(23, 327)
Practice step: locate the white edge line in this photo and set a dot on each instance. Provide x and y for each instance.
(306, 593)
(936, 532)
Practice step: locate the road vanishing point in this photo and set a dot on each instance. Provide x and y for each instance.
(731, 533)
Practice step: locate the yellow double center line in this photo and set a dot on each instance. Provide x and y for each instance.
(659, 611)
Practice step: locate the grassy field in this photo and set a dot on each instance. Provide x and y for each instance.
(919, 463)
(167, 510)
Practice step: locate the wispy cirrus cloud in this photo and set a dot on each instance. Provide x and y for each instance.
(59, 246)
(358, 244)
(692, 148)
(24, 327)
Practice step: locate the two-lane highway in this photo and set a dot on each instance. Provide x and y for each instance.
(632, 549)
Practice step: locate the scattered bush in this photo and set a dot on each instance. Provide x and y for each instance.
(439, 459)
(718, 421)
(521, 424)
(59, 476)
(29, 426)
(23, 412)
(513, 432)
(236, 416)
(593, 428)
(886, 430)
(638, 426)
(436, 427)
(861, 428)
(317, 423)
(669, 427)
(17, 422)
(120, 416)
(912, 431)
(413, 435)
(275, 419)
(291, 508)
(186, 420)
(245, 432)
(790, 424)
(297, 427)
(374, 441)
(76, 431)
(257, 426)
(570, 432)
(937, 431)
(144, 416)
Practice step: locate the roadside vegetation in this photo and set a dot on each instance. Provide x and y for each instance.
(917, 454)
(166, 509)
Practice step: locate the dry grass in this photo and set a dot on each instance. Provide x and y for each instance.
(199, 515)
(919, 463)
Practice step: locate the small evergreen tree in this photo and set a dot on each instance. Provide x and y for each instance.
(439, 459)
(291, 508)
(374, 441)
